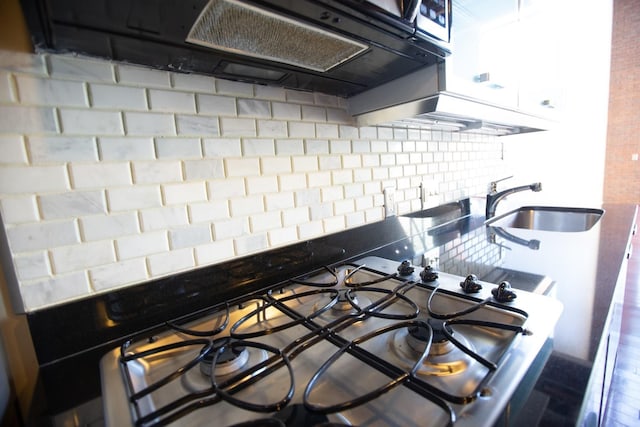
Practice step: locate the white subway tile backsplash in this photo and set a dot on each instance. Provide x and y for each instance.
(171, 101)
(33, 265)
(295, 216)
(292, 182)
(282, 236)
(254, 147)
(265, 222)
(34, 90)
(272, 128)
(209, 211)
(310, 229)
(178, 148)
(7, 92)
(103, 159)
(242, 167)
(100, 175)
(49, 149)
(316, 146)
(71, 258)
(163, 218)
(237, 127)
(13, 150)
(197, 125)
(226, 189)
(142, 76)
(288, 147)
(90, 122)
(84, 69)
(312, 113)
(143, 124)
(319, 179)
(193, 82)
(189, 237)
(72, 204)
(247, 205)
(269, 92)
(137, 197)
(118, 274)
(183, 193)
(206, 169)
(284, 111)
(216, 105)
(262, 184)
(329, 163)
(253, 108)
(302, 130)
(33, 179)
(251, 243)
(54, 290)
(299, 97)
(103, 227)
(214, 252)
(326, 130)
(115, 97)
(140, 245)
(230, 87)
(121, 148)
(275, 165)
(19, 209)
(230, 228)
(27, 120)
(279, 201)
(305, 163)
(171, 262)
(42, 235)
(222, 147)
(14, 61)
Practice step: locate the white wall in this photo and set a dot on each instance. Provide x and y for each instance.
(111, 174)
(570, 160)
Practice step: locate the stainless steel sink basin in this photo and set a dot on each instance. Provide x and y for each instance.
(548, 218)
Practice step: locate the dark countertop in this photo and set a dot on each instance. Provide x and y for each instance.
(584, 267)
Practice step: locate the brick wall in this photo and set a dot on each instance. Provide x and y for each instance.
(622, 172)
(112, 174)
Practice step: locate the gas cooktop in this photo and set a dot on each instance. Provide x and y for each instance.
(375, 342)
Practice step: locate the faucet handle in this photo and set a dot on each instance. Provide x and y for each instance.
(493, 185)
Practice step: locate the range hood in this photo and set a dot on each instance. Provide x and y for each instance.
(421, 99)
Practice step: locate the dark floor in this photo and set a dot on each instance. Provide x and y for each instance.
(623, 408)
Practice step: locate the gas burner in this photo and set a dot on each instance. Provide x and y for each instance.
(344, 305)
(445, 358)
(231, 359)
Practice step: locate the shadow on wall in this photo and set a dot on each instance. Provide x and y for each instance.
(18, 363)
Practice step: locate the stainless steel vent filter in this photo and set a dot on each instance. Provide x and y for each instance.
(240, 28)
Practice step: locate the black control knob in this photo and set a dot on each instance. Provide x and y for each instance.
(405, 268)
(429, 274)
(503, 292)
(471, 285)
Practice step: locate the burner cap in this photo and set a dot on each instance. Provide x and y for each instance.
(232, 358)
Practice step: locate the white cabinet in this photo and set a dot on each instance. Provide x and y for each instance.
(506, 52)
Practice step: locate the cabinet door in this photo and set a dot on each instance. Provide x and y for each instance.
(485, 49)
(540, 67)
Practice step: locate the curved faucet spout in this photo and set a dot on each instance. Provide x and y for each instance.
(494, 198)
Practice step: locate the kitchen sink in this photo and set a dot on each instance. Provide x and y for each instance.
(548, 218)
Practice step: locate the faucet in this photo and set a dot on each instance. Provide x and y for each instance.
(494, 197)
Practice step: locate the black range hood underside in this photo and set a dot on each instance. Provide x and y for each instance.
(154, 33)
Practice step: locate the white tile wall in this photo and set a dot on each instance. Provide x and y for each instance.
(113, 174)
